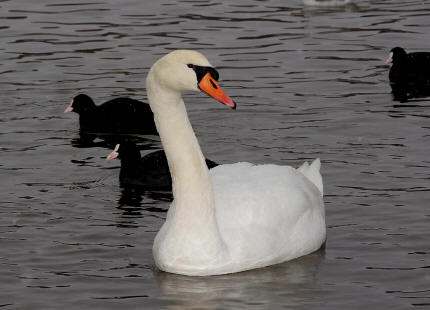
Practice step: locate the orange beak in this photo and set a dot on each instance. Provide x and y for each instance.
(211, 87)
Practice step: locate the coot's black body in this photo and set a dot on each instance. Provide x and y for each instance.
(118, 116)
(410, 72)
(149, 172)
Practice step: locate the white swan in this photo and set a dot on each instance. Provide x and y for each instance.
(234, 217)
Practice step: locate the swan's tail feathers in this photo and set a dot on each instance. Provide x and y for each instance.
(312, 172)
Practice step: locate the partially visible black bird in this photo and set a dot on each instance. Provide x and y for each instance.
(119, 116)
(150, 172)
(410, 72)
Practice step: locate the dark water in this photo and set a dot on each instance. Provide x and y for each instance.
(309, 82)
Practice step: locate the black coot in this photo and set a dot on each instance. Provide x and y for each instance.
(118, 116)
(409, 74)
(150, 172)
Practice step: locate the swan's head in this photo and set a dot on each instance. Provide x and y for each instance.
(186, 70)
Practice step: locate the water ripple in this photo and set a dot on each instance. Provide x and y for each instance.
(309, 82)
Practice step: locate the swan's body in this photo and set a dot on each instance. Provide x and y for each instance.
(235, 217)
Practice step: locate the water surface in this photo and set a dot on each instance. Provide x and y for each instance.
(309, 82)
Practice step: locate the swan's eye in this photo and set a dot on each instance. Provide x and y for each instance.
(201, 72)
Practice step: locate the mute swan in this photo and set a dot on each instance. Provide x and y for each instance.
(234, 217)
(120, 115)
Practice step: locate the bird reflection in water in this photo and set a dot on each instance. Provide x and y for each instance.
(133, 200)
(278, 283)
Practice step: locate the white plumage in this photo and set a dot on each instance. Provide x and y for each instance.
(235, 217)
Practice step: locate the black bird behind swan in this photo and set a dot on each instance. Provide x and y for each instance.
(150, 172)
(117, 116)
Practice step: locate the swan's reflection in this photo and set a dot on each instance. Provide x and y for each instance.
(313, 7)
(281, 284)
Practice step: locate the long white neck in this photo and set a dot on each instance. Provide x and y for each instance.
(192, 188)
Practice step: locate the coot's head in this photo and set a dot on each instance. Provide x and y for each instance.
(80, 104)
(127, 150)
(397, 54)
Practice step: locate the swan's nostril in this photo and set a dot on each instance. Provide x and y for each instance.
(213, 84)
